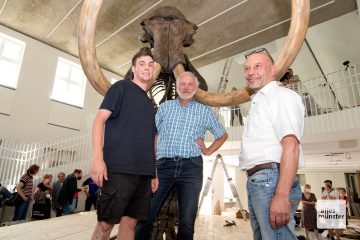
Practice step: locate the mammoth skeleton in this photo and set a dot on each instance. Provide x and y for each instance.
(178, 63)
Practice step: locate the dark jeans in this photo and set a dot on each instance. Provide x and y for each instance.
(21, 211)
(90, 200)
(59, 211)
(186, 175)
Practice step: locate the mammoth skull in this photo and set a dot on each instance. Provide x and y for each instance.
(174, 60)
(168, 32)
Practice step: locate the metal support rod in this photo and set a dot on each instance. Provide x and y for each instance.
(322, 72)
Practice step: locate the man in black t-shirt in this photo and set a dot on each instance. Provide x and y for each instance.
(123, 151)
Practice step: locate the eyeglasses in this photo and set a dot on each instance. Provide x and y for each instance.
(260, 50)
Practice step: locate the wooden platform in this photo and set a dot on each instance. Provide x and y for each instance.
(81, 225)
(212, 227)
(75, 226)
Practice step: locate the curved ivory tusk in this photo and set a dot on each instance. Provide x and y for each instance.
(157, 70)
(86, 45)
(87, 50)
(241, 95)
(300, 13)
(179, 69)
(218, 100)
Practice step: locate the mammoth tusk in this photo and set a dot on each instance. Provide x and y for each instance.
(300, 13)
(157, 70)
(86, 41)
(87, 50)
(179, 69)
(217, 100)
(241, 95)
(86, 45)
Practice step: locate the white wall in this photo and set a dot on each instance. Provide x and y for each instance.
(29, 108)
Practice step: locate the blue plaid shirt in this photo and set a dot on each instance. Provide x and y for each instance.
(179, 128)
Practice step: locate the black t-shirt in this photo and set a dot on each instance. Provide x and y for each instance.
(129, 131)
(42, 187)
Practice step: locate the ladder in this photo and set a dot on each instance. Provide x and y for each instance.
(224, 76)
(231, 184)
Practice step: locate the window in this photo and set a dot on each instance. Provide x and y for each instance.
(11, 54)
(69, 84)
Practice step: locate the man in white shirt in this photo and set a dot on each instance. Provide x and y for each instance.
(271, 151)
(331, 193)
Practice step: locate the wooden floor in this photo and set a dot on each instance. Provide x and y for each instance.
(81, 225)
(211, 227)
(76, 226)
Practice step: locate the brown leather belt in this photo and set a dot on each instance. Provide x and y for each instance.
(259, 167)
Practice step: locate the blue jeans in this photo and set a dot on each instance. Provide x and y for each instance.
(261, 188)
(21, 211)
(186, 176)
(70, 208)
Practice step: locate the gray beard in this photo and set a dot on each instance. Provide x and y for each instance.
(186, 96)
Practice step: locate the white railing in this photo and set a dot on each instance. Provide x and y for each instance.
(335, 94)
(64, 153)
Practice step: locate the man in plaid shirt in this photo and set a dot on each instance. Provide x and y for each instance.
(181, 126)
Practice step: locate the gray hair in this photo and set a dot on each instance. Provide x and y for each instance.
(187, 73)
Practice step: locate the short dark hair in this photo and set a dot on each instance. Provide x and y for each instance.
(328, 181)
(145, 51)
(77, 171)
(33, 169)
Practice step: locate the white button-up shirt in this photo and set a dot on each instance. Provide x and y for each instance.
(275, 112)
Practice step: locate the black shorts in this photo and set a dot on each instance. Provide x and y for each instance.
(124, 195)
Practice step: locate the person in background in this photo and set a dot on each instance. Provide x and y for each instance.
(25, 189)
(4, 192)
(342, 196)
(331, 193)
(69, 190)
(42, 194)
(56, 187)
(308, 212)
(270, 150)
(235, 111)
(91, 193)
(181, 125)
